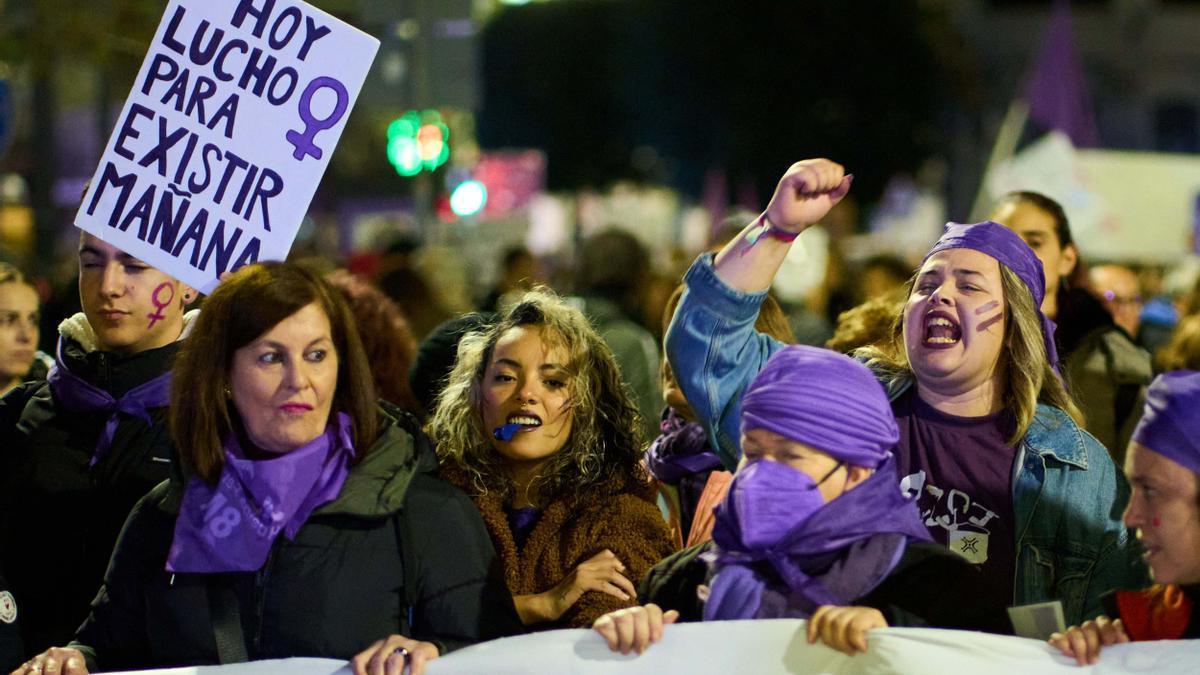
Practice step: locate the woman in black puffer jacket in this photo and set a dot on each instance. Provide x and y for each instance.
(274, 413)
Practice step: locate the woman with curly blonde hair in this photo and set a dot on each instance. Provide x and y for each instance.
(537, 427)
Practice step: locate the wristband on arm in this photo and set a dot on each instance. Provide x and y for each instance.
(765, 228)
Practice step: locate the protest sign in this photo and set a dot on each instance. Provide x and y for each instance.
(225, 135)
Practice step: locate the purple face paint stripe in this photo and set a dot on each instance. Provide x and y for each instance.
(988, 323)
(302, 141)
(987, 308)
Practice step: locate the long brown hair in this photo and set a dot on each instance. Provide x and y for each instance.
(604, 448)
(243, 307)
(1028, 377)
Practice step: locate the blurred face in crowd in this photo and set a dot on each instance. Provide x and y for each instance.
(1121, 293)
(18, 332)
(131, 306)
(1163, 510)
(832, 477)
(283, 383)
(1037, 228)
(526, 383)
(954, 321)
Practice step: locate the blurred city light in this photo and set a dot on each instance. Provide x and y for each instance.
(468, 198)
(418, 141)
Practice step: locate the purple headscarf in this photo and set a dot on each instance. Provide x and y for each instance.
(823, 399)
(1170, 424)
(1006, 246)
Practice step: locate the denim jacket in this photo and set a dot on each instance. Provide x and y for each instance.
(1067, 494)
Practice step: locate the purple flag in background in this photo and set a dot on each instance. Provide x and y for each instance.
(716, 196)
(1055, 88)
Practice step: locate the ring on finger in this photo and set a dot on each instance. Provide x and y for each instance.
(402, 652)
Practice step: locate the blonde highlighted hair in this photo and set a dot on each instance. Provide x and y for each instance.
(1028, 377)
(604, 447)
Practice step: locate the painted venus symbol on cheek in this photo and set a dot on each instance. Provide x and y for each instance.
(160, 305)
(1155, 521)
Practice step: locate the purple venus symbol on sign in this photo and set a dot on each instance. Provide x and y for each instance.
(302, 141)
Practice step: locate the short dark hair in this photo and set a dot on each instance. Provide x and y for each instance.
(243, 307)
(11, 274)
(1062, 226)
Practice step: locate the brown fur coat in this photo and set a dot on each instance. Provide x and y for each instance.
(624, 520)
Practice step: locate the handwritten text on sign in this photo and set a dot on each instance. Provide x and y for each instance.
(226, 134)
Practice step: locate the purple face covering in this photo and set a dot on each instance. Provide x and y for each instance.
(768, 500)
(838, 554)
(231, 526)
(77, 395)
(1007, 247)
(1170, 424)
(825, 400)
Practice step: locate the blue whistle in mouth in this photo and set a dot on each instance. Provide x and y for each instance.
(505, 432)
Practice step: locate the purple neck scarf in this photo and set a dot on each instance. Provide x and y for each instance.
(681, 450)
(823, 399)
(231, 526)
(1170, 424)
(78, 395)
(835, 557)
(1006, 246)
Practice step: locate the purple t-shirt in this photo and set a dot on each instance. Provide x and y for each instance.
(966, 501)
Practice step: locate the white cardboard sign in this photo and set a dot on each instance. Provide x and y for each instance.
(225, 135)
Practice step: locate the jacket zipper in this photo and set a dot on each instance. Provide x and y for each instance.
(260, 599)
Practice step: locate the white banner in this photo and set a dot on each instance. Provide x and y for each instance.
(765, 648)
(225, 135)
(1123, 206)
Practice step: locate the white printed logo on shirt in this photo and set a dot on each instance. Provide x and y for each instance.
(964, 520)
(8, 607)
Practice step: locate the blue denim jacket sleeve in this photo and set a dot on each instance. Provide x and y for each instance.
(715, 353)
(1071, 542)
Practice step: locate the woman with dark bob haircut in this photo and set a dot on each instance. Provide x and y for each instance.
(275, 418)
(537, 426)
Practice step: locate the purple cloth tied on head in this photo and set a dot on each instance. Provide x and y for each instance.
(1170, 424)
(78, 395)
(231, 526)
(825, 400)
(1007, 247)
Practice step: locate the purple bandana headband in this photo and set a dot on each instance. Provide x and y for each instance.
(823, 399)
(1006, 246)
(1170, 424)
(78, 395)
